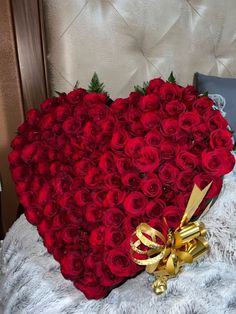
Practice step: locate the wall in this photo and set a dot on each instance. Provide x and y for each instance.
(11, 110)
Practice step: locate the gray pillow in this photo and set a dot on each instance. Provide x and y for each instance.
(223, 86)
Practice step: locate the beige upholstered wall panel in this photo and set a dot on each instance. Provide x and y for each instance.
(127, 42)
(11, 111)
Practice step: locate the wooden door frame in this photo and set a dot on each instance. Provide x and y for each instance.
(30, 50)
(30, 43)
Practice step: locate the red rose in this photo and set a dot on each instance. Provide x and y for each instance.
(131, 180)
(59, 220)
(74, 215)
(107, 126)
(61, 140)
(200, 132)
(119, 108)
(133, 115)
(58, 253)
(134, 98)
(218, 162)
(82, 197)
(154, 86)
(221, 139)
(135, 203)
(173, 216)
(43, 227)
(197, 148)
(114, 237)
(97, 237)
(159, 224)
(187, 161)
(33, 117)
(189, 95)
(120, 263)
(89, 284)
(106, 277)
(22, 187)
(119, 139)
(70, 235)
(112, 180)
(154, 209)
(182, 200)
(44, 194)
(106, 162)
(81, 167)
(167, 151)
(148, 160)
(99, 197)
(153, 138)
(48, 137)
(94, 258)
(114, 197)
(136, 129)
(76, 96)
(132, 222)
(28, 152)
(47, 122)
(113, 217)
(134, 146)
(149, 102)
(62, 112)
(50, 209)
(170, 127)
(61, 182)
(188, 120)
(123, 164)
(203, 105)
(185, 181)
(48, 104)
(95, 98)
(99, 113)
(14, 157)
(35, 136)
(203, 179)
(168, 173)
(170, 91)
(169, 195)
(93, 213)
(150, 120)
(174, 108)
(17, 142)
(72, 265)
(19, 173)
(215, 120)
(49, 240)
(93, 177)
(33, 215)
(151, 186)
(70, 125)
(81, 113)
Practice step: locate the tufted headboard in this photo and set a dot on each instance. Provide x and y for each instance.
(126, 42)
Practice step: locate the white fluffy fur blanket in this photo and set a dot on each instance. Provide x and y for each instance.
(31, 281)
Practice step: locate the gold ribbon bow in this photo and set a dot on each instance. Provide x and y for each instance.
(165, 256)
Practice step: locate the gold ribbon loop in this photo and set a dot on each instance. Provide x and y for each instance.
(184, 245)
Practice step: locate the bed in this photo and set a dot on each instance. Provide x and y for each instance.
(126, 43)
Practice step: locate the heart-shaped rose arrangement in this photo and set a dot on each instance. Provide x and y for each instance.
(88, 171)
